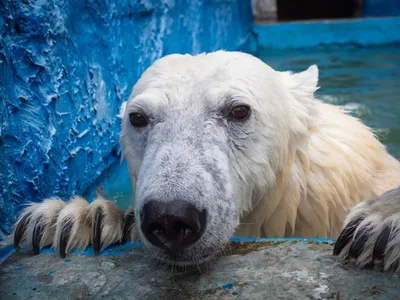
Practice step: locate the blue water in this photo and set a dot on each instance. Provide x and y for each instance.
(365, 81)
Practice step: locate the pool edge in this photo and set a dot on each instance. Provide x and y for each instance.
(364, 32)
(118, 250)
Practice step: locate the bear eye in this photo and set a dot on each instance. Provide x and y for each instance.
(239, 113)
(138, 120)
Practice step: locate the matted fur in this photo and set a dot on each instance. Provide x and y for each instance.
(55, 215)
(294, 168)
(372, 218)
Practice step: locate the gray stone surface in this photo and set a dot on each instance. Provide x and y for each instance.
(263, 270)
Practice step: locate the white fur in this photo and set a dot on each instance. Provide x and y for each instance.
(376, 216)
(294, 168)
(77, 212)
(111, 227)
(47, 212)
(53, 214)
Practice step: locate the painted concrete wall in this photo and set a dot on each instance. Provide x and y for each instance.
(381, 8)
(332, 33)
(65, 68)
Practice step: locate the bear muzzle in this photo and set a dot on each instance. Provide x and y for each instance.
(172, 226)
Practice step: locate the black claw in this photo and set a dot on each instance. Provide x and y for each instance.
(66, 228)
(127, 227)
(381, 243)
(37, 236)
(346, 235)
(359, 242)
(369, 266)
(20, 230)
(96, 227)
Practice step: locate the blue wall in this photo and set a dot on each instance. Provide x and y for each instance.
(355, 32)
(65, 68)
(381, 8)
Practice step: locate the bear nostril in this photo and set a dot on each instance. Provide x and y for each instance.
(188, 232)
(173, 225)
(156, 228)
(183, 228)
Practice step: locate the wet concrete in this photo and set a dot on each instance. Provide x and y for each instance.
(272, 269)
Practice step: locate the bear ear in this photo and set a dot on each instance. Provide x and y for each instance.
(306, 81)
(122, 110)
(308, 77)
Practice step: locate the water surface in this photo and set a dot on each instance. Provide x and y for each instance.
(366, 81)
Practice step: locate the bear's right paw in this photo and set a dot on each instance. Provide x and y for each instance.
(72, 225)
(371, 235)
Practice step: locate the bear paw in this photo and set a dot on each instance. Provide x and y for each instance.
(73, 225)
(371, 234)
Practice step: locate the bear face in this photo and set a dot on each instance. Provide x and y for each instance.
(203, 137)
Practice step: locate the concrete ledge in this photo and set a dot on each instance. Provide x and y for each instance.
(267, 268)
(359, 32)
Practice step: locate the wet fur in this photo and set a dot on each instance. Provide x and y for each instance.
(295, 168)
(371, 235)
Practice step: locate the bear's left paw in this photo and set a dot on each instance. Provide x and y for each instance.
(371, 235)
(73, 225)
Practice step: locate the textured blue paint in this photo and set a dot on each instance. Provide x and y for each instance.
(6, 252)
(65, 68)
(359, 32)
(228, 286)
(381, 8)
(117, 186)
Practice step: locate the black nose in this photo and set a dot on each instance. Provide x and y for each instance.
(172, 226)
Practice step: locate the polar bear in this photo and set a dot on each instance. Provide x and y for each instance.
(220, 144)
